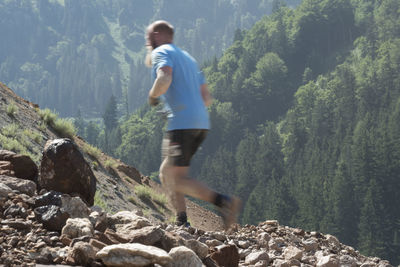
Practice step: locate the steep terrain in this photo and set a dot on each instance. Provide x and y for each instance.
(23, 131)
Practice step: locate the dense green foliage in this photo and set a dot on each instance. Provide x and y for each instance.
(306, 122)
(67, 55)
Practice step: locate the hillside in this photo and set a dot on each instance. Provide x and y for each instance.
(23, 131)
(107, 236)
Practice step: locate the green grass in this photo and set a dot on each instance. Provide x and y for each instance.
(12, 109)
(91, 150)
(35, 136)
(110, 163)
(98, 201)
(64, 127)
(145, 192)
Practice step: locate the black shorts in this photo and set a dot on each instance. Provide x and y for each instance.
(180, 145)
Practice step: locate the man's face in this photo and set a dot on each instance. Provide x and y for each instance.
(150, 41)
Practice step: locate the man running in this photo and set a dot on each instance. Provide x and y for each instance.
(182, 86)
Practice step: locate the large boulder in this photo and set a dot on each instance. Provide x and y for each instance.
(64, 169)
(22, 165)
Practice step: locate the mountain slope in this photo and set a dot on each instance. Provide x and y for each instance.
(24, 131)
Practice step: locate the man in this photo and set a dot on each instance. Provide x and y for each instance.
(184, 90)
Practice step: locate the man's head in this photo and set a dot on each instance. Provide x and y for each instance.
(158, 33)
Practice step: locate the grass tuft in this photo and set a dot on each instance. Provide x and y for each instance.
(12, 109)
(64, 127)
(91, 150)
(145, 192)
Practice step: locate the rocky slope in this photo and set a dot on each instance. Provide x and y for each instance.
(42, 226)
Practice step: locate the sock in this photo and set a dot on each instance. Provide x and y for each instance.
(181, 217)
(219, 199)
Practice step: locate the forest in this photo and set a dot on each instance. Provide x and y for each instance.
(305, 119)
(69, 55)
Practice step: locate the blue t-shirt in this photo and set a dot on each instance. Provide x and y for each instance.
(183, 97)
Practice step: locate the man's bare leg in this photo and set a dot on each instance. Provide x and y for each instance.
(177, 180)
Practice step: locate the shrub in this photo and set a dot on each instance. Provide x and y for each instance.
(12, 109)
(64, 127)
(145, 192)
(91, 150)
(47, 116)
(110, 163)
(37, 137)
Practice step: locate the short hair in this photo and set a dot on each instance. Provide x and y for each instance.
(163, 26)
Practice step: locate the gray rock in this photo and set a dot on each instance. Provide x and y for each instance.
(74, 206)
(4, 190)
(328, 261)
(291, 253)
(82, 253)
(183, 257)
(125, 221)
(199, 248)
(148, 235)
(77, 227)
(347, 261)
(310, 244)
(255, 257)
(132, 255)
(21, 185)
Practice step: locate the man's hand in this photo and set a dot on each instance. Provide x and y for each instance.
(153, 101)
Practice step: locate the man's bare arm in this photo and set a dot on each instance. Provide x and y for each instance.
(205, 94)
(162, 82)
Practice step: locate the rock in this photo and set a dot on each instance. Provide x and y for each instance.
(183, 257)
(110, 236)
(50, 198)
(328, 261)
(125, 221)
(6, 168)
(21, 185)
(199, 248)
(347, 261)
(333, 240)
(214, 243)
(97, 244)
(77, 227)
(52, 217)
(255, 257)
(281, 263)
(148, 235)
(226, 255)
(4, 190)
(19, 225)
(64, 169)
(132, 255)
(16, 211)
(22, 165)
(130, 172)
(74, 206)
(171, 240)
(310, 244)
(82, 253)
(292, 253)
